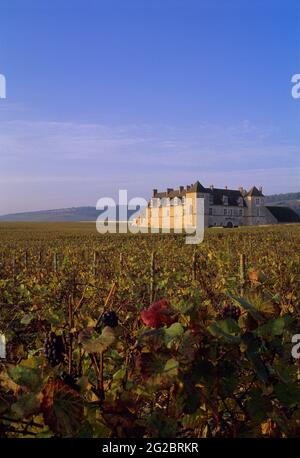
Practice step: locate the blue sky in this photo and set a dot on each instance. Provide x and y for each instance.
(143, 94)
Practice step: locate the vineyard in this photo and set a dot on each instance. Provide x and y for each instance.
(145, 336)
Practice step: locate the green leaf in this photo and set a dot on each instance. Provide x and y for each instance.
(27, 404)
(174, 331)
(249, 308)
(120, 374)
(253, 346)
(219, 329)
(229, 326)
(171, 367)
(27, 318)
(288, 395)
(258, 365)
(274, 327)
(93, 343)
(29, 377)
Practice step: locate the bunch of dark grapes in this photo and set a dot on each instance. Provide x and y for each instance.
(69, 380)
(110, 319)
(54, 349)
(231, 311)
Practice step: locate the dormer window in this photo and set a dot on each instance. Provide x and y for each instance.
(225, 200)
(211, 199)
(155, 203)
(165, 202)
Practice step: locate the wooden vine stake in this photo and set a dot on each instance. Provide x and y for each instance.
(242, 273)
(95, 263)
(14, 268)
(195, 265)
(101, 377)
(25, 260)
(120, 266)
(71, 326)
(152, 278)
(55, 262)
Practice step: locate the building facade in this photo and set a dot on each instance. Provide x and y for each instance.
(176, 208)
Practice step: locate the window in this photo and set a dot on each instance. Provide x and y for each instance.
(240, 201)
(241, 212)
(191, 210)
(225, 211)
(257, 201)
(230, 212)
(210, 211)
(211, 199)
(225, 200)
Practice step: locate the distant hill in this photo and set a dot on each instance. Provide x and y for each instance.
(290, 196)
(291, 199)
(74, 214)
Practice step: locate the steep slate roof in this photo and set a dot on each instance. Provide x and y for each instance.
(284, 214)
(196, 187)
(254, 192)
(171, 194)
(232, 194)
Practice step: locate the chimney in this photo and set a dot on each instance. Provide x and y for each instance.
(181, 188)
(260, 189)
(226, 187)
(154, 192)
(211, 187)
(169, 190)
(187, 187)
(241, 189)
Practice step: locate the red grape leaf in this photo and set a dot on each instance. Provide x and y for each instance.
(62, 408)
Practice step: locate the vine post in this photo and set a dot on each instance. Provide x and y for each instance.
(71, 326)
(14, 268)
(55, 262)
(242, 273)
(195, 265)
(152, 277)
(95, 257)
(25, 260)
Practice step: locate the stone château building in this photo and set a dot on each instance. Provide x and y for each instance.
(222, 208)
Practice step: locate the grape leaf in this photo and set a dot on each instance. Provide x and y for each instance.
(62, 408)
